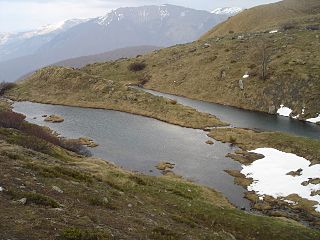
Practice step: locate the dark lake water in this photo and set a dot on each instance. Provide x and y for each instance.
(248, 119)
(139, 143)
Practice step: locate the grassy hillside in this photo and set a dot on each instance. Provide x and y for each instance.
(210, 69)
(107, 56)
(66, 86)
(269, 17)
(51, 193)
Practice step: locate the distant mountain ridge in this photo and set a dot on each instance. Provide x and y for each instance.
(161, 26)
(106, 56)
(14, 45)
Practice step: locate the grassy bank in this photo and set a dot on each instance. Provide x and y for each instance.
(47, 196)
(64, 86)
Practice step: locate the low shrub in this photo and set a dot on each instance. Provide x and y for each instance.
(289, 26)
(313, 27)
(34, 198)
(4, 86)
(40, 132)
(11, 120)
(137, 66)
(17, 121)
(75, 146)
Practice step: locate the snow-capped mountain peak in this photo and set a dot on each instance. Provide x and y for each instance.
(57, 27)
(4, 37)
(227, 11)
(142, 14)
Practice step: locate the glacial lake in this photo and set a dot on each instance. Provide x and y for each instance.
(139, 143)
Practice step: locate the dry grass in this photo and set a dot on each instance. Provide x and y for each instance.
(268, 17)
(57, 85)
(108, 201)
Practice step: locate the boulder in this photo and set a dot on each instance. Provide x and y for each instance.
(54, 119)
(241, 85)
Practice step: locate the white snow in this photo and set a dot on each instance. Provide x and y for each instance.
(227, 11)
(314, 120)
(270, 175)
(274, 31)
(246, 76)
(291, 202)
(1, 189)
(164, 13)
(284, 111)
(4, 37)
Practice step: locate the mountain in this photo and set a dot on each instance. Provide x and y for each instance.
(107, 56)
(102, 57)
(268, 17)
(125, 27)
(148, 25)
(229, 69)
(227, 11)
(14, 45)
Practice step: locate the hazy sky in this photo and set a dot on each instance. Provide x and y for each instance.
(20, 15)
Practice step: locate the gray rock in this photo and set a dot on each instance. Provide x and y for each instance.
(57, 189)
(241, 85)
(105, 200)
(22, 201)
(272, 109)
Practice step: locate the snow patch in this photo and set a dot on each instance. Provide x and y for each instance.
(1, 189)
(284, 111)
(246, 76)
(270, 175)
(4, 37)
(274, 31)
(227, 11)
(314, 120)
(291, 202)
(164, 13)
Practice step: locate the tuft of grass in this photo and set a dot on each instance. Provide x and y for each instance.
(82, 234)
(62, 172)
(102, 202)
(161, 233)
(34, 198)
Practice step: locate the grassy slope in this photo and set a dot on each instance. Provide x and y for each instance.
(102, 200)
(194, 70)
(267, 17)
(65, 86)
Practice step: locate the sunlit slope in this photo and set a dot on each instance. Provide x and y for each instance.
(269, 17)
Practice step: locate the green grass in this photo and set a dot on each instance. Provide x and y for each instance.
(80, 234)
(34, 198)
(154, 207)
